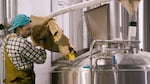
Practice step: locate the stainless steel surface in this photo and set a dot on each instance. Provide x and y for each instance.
(103, 74)
(127, 74)
(114, 19)
(72, 75)
(97, 21)
(95, 66)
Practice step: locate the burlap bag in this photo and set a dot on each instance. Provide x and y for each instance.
(47, 34)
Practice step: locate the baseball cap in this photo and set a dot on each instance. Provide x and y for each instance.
(19, 20)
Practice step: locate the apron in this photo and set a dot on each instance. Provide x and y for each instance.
(14, 76)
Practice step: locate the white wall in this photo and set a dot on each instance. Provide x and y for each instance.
(44, 8)
(34, 7)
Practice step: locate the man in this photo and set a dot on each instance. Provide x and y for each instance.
(20, 54)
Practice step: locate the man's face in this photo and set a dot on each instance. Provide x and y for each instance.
(26, 30)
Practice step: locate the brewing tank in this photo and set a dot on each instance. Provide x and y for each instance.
(127, 73)
(115, 64)
(129, 69)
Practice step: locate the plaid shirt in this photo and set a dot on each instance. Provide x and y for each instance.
(21, 52)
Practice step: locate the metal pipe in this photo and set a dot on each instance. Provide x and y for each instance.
(2, 11)
(3, 21)
(114, 26)
(76, 7)
(91, 49)
(11, 9)
(91, 60)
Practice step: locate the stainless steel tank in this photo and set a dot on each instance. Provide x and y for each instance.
(71, 75)
(128, 68)
(122, 74)
(102, 74)
(75, 72)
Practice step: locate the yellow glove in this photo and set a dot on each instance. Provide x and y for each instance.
(71, 56)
